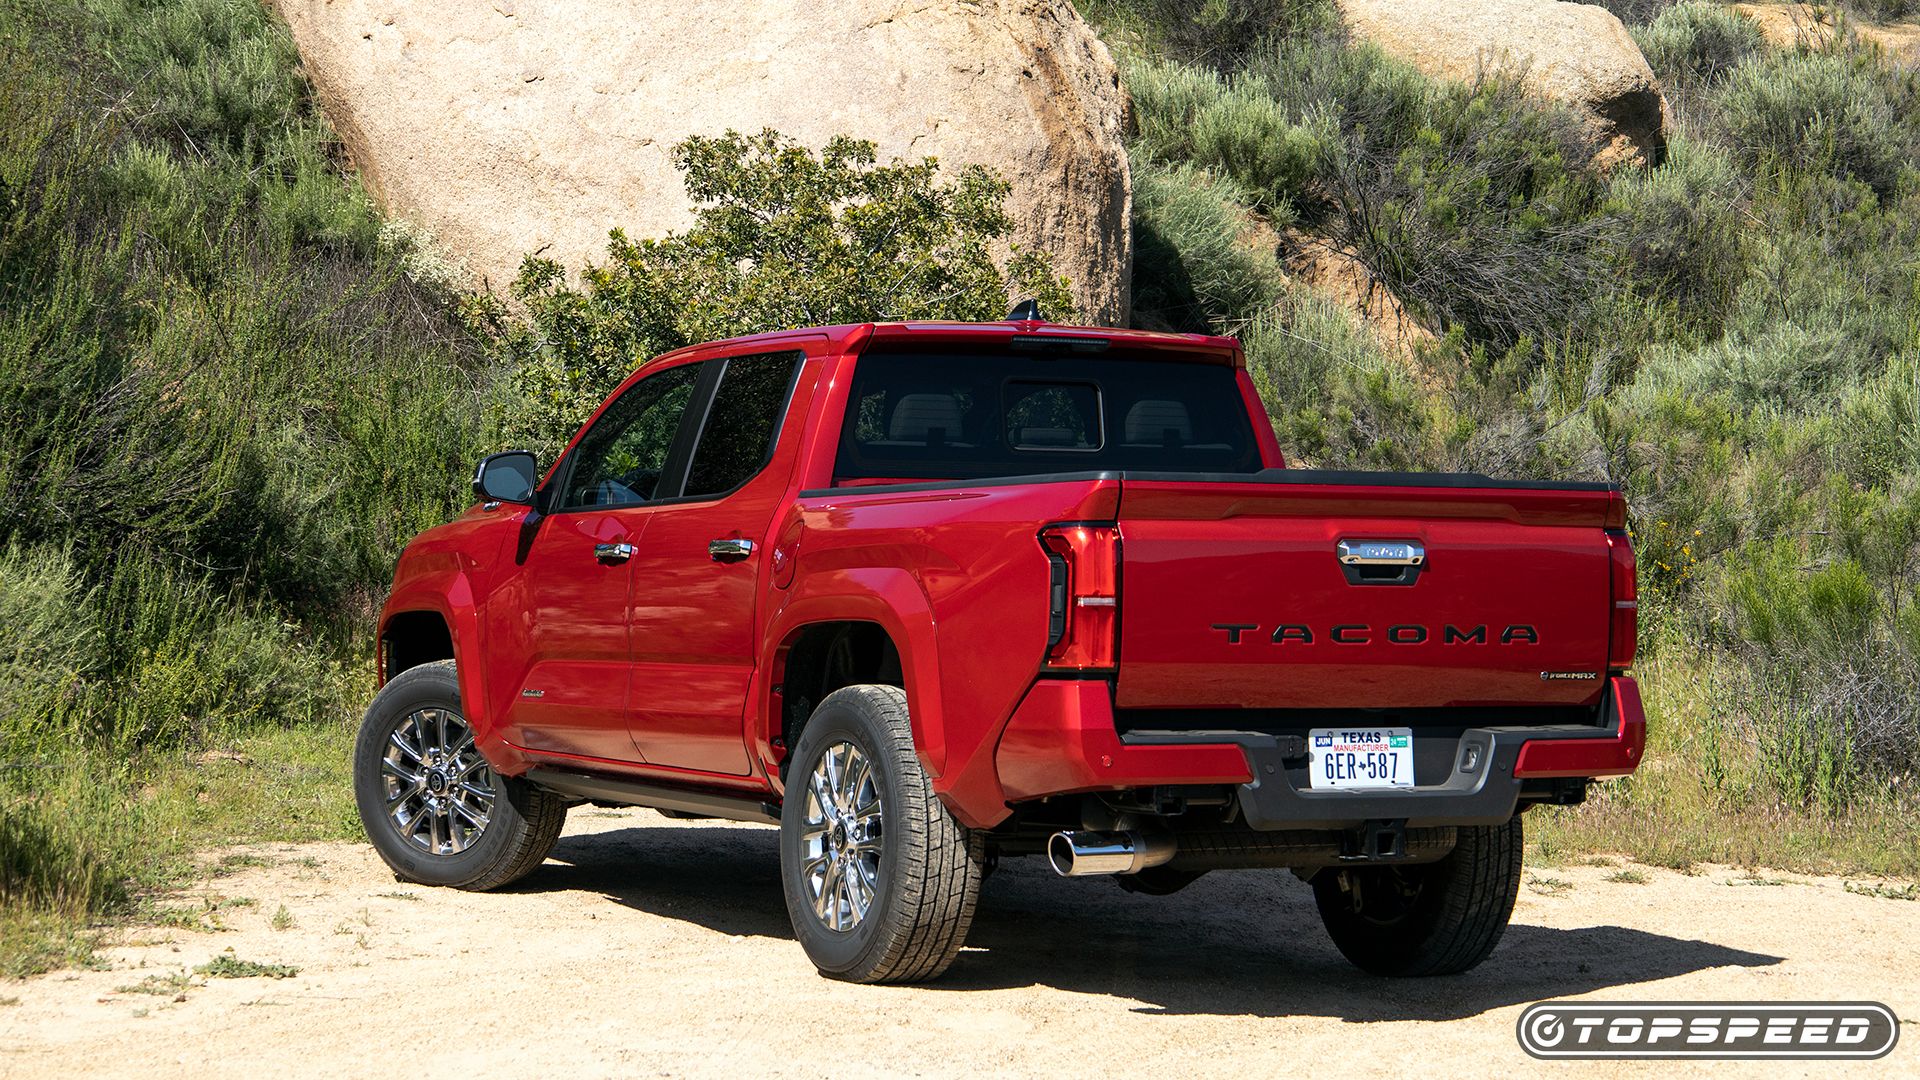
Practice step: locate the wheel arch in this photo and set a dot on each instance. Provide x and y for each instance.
(826, 656)
(411, 638)
(880, 633)
(429, 616)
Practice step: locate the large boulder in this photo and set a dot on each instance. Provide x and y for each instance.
(509, 126)
(1576, 53)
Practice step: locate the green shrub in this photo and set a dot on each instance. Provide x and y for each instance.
(1235, 128)
(1882, 10)
(1484, 215)
(1697, 43)
(1220, 34)
(1777, 606)
(1786, 369)
(1827, 113)
(782, 237)
(1473, 202)
(1193, 269)
(1634, 12)
(56, 853)
(191, 663)
(1337, 400)
(204, 350)
(1878, 425)
(50, 641)
(223, 407)
(1681, 230)
(1376, 102)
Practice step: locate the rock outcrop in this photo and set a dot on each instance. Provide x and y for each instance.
(1809, 26)
(509, 126)
(1337, 272)
(1576, 53)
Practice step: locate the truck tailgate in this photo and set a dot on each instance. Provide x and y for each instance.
(1236, 595)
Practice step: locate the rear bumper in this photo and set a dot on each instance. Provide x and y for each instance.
(1063, 739)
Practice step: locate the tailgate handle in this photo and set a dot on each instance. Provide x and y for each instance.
(1381, 562)
(1380, 553)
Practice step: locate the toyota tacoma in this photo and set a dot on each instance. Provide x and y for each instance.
(931, 595)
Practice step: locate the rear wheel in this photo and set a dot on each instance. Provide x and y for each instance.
(880, 880)
(1435, 918)
(434, 809)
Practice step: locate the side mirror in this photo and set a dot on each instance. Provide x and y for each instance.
(509, 477)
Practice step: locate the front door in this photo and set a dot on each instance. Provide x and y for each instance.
(698, 571)
(577, 571)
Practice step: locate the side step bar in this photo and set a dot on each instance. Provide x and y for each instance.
(656, 796)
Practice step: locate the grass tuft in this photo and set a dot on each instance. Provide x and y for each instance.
(160, 985)
(1548, 886)
(227, 966)
(1883, 891)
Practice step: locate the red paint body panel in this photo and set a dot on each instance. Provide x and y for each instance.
(1062, 739)
(571, 644)
(966, 563)
(1618, 755)
(669, 667)
(1260, 558)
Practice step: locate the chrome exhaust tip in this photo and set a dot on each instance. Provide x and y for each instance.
(1087, 854)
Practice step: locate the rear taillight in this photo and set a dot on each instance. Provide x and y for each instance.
(1083, 596)
(1624, 626)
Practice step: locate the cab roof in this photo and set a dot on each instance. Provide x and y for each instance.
(1019, 334)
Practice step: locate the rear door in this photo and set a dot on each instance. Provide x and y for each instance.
(698, 572)
(1361, 592)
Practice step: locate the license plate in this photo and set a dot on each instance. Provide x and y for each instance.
(1352, 758)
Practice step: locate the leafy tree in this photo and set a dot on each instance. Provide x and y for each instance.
(781, 238)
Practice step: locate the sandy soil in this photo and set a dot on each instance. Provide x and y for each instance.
(656, 947)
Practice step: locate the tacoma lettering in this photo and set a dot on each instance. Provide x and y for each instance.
(1398, 634)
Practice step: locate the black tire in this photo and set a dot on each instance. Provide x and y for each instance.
(520, 830)
(929, 866)
(1438, 918)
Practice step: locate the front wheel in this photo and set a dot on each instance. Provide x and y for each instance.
(1436, 918)
(434, 809)
(880, 880)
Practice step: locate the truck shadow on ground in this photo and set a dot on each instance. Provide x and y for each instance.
(1241, 943)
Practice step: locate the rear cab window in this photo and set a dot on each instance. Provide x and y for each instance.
(956, 416)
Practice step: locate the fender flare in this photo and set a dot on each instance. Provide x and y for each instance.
(448, 594)
(889, 597)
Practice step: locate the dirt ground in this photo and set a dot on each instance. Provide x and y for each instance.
(657, 947)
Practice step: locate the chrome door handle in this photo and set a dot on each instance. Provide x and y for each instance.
(613, 553)
(727, 550)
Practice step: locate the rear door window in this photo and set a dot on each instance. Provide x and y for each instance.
(737, 439)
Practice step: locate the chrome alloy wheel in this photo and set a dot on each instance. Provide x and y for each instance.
(840, 841)
(439, 791)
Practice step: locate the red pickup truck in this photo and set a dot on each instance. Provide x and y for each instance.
(931, 595)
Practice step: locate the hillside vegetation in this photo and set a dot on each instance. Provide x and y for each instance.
(224, 403)
(229, 391)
